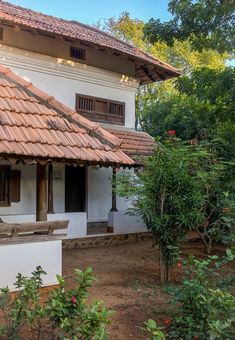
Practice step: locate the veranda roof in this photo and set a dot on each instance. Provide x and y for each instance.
(133, 143)
(147, 68)
(36, 127)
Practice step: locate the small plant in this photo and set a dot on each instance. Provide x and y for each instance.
(65, 315)
(154, 332)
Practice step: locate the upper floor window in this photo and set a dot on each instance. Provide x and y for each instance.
(101, 110)
(77, 53)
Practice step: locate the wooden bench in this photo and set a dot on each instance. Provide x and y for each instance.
(35, 231)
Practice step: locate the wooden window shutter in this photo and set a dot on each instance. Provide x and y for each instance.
(14, 186)
(1, 33)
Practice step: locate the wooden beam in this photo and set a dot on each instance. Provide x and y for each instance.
(41, 206)
(41, 227)
(114, 195)
(50, 202)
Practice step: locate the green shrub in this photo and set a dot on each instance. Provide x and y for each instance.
(205, 309)
(64, 315)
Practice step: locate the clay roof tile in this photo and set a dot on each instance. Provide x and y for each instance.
(33, 124)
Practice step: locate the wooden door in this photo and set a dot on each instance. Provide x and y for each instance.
(75, 188)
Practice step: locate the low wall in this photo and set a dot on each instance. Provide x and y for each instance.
(77, 223)
(103, 240)
(122, 222)
(25, 257)
(76, 228)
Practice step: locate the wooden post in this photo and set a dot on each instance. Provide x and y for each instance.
(41, 206)
(50, 205)
(114, 195)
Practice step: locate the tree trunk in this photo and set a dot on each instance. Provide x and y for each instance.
(164, 268)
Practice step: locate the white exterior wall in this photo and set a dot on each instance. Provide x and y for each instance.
(25, 210)
(99, 184)
(24, 258)
(63, 79)
(122, 222)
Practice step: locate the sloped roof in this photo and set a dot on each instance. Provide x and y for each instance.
(148, 69)
(134, 143)
(35, 126)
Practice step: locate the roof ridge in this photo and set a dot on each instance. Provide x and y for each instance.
(134, 50)
(68, 112)
(76, 22)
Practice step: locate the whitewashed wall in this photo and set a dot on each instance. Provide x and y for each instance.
(24, 258)
(27, 204)
(25, 210)
(122, 222)
(63, 79)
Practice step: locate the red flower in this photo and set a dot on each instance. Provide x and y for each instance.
(167, 321)
(73, 299)
(171, 132)
(179, 264)
(225, 210)
(196, 337)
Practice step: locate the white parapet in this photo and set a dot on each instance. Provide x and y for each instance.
(77, 222)
(124, 222)
(25, 257)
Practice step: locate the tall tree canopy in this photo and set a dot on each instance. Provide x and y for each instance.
(181, 54)
(207, 23)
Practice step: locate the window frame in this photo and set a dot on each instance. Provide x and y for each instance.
(80, 50)
(102, 117)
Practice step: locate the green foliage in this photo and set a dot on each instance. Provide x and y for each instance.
(202, 106)
(181, 189)
(155, 332)
(180, 55)
(207, 23)
(204, 311)
(65, 315)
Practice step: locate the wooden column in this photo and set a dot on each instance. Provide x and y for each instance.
(114, 195)
(50, 203)
(41, 199)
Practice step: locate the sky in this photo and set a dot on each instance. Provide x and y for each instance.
(90, 11)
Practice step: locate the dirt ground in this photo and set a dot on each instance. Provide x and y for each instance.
(128, 283)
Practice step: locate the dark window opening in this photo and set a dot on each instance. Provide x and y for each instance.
(77, 53)
(4, 185)
(9, 185)
(1, 33)
(101, 110)
(75, 188)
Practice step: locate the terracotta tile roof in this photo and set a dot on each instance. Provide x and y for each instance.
(149, 69)
(134, 143)
(35, 126)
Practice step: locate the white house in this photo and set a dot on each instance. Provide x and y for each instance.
(67, 120)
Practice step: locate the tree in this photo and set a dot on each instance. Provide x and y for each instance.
(178, 191)
(206, 23)
(181, 55)
(202, 107)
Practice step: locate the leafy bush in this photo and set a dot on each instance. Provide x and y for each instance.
(64, 315)
(180, 189)
(205, 308)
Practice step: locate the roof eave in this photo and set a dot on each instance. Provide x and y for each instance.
(160, 72)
